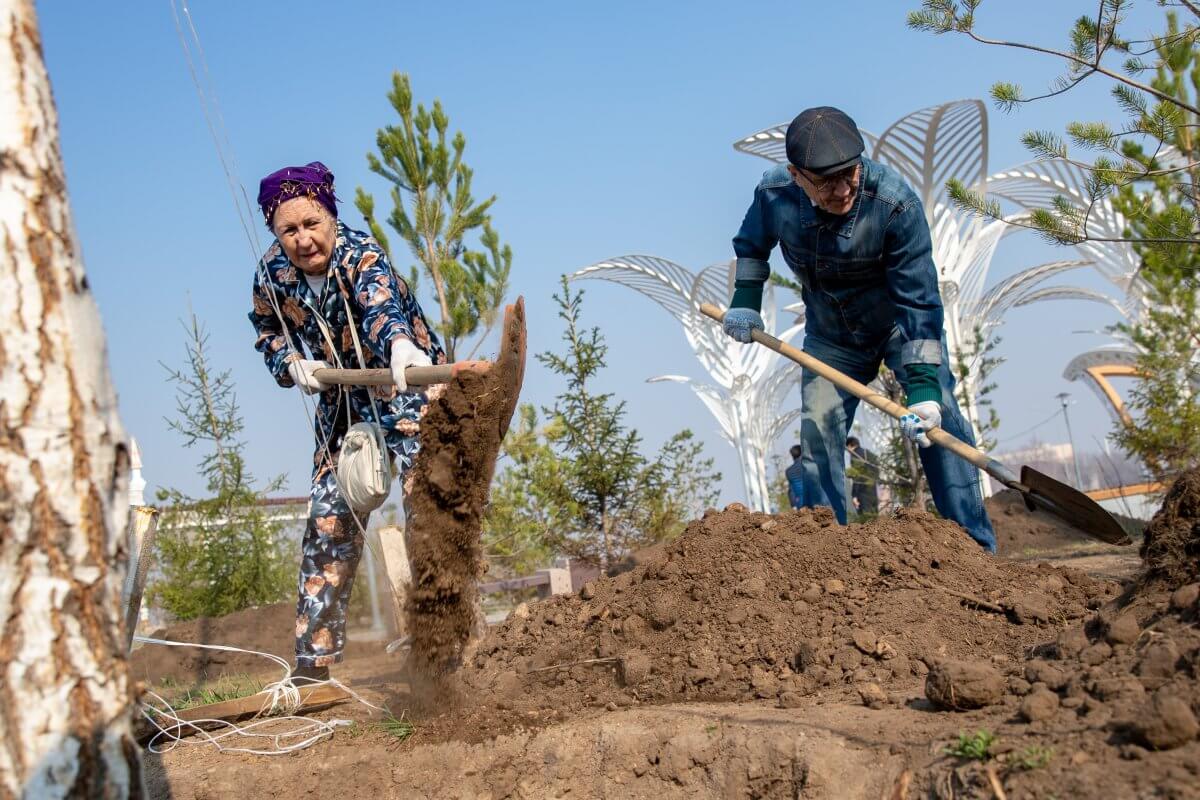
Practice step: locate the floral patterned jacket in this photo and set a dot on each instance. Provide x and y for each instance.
(384, 309)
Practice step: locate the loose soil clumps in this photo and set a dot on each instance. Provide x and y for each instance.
(461, 434)
(1171, 548)
(1123, 685)
(793, 609)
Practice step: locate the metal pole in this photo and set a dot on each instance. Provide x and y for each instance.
(1062, 398)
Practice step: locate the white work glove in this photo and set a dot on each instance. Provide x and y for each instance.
(738, 323)
(302, 375)
(921, 417)
(406, 354)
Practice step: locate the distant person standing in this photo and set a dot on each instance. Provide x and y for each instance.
(795, 477)
(864, 489)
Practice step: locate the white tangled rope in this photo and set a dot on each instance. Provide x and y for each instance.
(281, 699)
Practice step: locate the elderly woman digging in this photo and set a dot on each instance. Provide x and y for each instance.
(330, 290)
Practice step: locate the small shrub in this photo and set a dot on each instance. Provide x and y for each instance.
(973, 746)
(398, 727)
(1031, 758)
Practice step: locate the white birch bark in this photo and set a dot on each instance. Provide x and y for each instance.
(65, 706)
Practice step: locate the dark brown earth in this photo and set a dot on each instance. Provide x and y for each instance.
(1024, 534)
(461, 434)
(269, 629)
(784, 657)
(1171, 548)
(746, 605)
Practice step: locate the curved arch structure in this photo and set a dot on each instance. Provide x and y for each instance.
(1042, 184)
(748, 384)
(1096, 367)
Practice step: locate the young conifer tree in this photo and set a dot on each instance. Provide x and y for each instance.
(1147, 167)
(447, 231)
(580, 485)
(222, 552)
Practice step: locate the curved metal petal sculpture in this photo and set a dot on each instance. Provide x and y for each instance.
(749, 384)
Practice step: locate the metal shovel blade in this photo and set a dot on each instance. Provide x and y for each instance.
(1070, 505)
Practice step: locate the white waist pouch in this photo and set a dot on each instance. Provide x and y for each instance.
(364, 470)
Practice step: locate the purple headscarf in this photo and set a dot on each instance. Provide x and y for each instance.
(313, 180)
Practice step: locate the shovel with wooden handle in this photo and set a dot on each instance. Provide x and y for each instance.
(509, 366)
(416, 376)
(1039, 490)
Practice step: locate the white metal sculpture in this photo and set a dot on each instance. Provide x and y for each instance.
(928, 147)
(1037, 185)
(749, 384)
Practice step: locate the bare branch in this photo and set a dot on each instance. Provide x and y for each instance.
(1093, 66)
(1190, 6)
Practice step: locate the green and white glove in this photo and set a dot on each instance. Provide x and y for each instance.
(921, 417)
(744, 314)
(924, 406)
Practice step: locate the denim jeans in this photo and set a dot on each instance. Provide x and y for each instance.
(828, 413)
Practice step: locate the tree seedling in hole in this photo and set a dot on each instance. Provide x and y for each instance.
(973, 746)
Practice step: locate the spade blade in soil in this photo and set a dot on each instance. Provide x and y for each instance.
(1071, 506)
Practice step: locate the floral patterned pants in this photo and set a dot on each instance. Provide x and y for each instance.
(332, 547)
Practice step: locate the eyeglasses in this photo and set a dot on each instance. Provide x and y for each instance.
(828, 183)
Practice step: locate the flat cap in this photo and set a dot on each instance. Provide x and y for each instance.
(823, 140)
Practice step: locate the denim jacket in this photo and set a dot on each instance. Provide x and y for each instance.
(863, 274)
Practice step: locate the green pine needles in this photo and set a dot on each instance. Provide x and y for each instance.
(219, 553)
(1148, 167)
(447, 230)
(581, 485)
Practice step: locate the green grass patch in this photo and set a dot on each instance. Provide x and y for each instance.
(975, 746)
(1031, 758)
(228, 687)
(397, 727)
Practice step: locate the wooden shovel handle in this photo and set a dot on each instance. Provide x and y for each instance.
(846, 383)
(416, 376)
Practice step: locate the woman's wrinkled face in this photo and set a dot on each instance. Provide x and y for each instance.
(307, 231)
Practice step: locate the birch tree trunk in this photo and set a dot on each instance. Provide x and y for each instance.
(65, 706)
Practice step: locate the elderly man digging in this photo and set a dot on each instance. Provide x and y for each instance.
(329, 289)
(855, 235)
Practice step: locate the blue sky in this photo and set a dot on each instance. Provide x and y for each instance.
(605, 129)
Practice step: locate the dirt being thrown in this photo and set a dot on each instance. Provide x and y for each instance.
(460, 440)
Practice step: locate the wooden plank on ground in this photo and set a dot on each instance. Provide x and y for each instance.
(311, 699)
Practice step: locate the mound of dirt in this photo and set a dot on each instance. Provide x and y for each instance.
(745, 605)
(1020, 532)
(1111, 707)
(1023, 533)
(1171, 548)
(266, 629)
